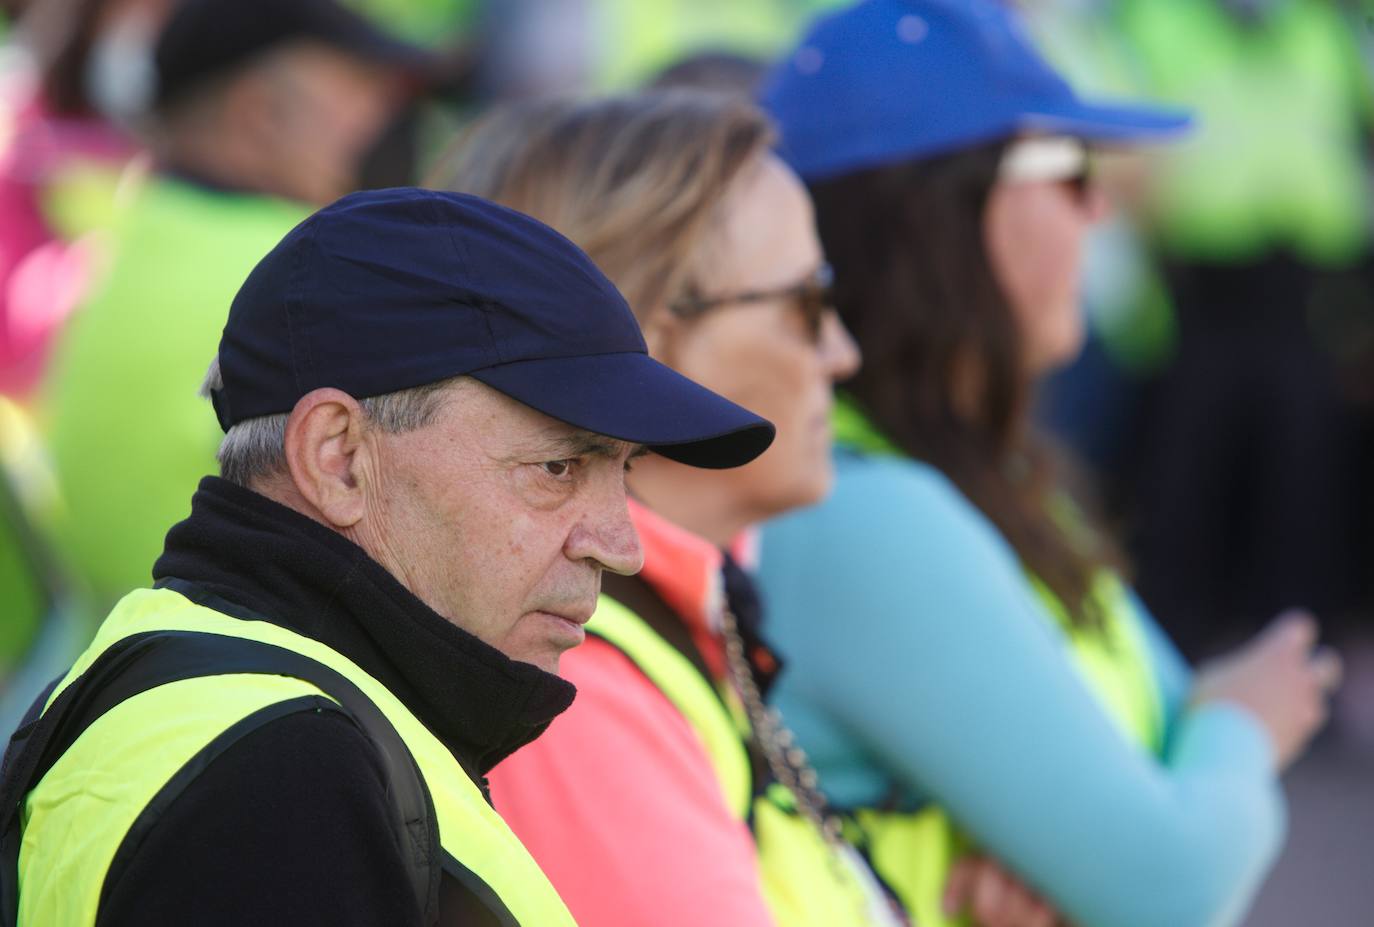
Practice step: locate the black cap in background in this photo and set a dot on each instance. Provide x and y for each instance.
(205, 39)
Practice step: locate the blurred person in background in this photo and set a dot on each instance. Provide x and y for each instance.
(713, 72)
(556, 46)
(45, 622)
(63, 146)
(967, 669)
(1093, 404)
(260, 110)
(65, 79)
(675, 195)
(1246, 489)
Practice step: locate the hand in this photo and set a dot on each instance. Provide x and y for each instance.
(1280, 679)
(993, 897)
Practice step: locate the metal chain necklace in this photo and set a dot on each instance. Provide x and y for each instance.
(786, 760)
(791, 768)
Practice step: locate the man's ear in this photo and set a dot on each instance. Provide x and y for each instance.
(326, 455)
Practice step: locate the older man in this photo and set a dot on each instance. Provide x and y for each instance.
(430, 404)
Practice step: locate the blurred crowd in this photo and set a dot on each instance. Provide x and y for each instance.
(1219, 420)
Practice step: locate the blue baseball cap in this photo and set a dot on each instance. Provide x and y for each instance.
(391, 289)
(885, 81)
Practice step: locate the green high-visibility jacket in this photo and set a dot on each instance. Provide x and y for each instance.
(1277, 159)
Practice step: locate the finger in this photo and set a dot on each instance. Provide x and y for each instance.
(1294, 628)
(1015, 907)
(1041, 915)
(989, 890)
(1328, 668)
(959, 885)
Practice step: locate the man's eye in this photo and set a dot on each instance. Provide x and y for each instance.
(558, 468)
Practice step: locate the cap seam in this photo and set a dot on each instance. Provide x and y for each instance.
(465, 259)
(298, 342)
(543, 357)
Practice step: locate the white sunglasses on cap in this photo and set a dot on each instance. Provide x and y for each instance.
(1047, 158)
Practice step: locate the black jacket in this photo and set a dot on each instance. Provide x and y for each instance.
(292, 824)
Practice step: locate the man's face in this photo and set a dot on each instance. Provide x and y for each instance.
(328, 108)
(501, 519)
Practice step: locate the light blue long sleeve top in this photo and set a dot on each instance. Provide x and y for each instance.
(921, 664)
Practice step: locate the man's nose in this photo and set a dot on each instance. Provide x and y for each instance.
(607, 536)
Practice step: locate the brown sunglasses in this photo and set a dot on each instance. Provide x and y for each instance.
(814, 296)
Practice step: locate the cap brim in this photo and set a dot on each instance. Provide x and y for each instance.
(1110, 122)
(632, 397)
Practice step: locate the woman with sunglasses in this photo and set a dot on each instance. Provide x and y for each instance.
(970, 675)
(652, 802)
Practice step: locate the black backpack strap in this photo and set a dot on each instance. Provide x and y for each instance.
(144, 661)
(26, 725)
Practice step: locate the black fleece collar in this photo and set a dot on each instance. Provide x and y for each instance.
(255, 553)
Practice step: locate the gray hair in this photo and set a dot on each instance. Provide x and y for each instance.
(255, 448)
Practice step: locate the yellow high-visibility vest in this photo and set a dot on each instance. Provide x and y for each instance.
(913, 851)
(806, 882)
(77, 818)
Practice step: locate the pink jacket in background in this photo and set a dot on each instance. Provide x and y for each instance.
(42, 278)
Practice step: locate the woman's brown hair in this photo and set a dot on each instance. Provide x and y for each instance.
(636, 180)
(943, 375)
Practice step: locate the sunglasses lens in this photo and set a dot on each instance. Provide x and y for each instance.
(816, 301)
(1083, 183)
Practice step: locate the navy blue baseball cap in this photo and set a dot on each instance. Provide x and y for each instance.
(885, 81)
(391, 289)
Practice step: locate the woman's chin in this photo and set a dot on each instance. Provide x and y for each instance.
(1054, 358)
(808, 491)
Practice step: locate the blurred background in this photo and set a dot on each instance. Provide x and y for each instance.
(1223, 410)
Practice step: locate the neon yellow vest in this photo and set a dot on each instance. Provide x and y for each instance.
(76, 818)
(805, 881)
(1277, 158)
(120, 403)
(913, 851)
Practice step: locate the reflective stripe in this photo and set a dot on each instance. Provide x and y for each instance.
(805, 882)
(78, 815)
(913, 852)
(690, 693)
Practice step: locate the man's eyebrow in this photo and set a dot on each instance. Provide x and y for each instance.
(590, 444)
